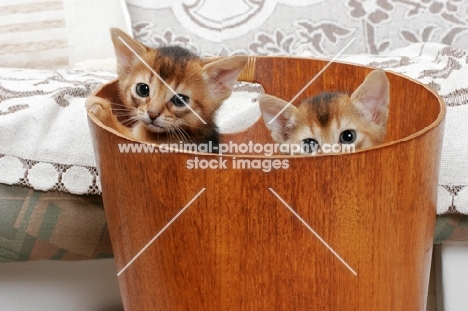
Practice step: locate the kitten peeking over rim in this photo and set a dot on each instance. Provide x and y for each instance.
(331, 118)
(150, 111)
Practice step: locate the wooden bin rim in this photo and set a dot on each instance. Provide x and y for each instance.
(247, 76)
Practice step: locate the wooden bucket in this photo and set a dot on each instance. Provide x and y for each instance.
(343, 232)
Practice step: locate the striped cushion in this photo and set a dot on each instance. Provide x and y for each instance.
(33, 34)
(49, 34)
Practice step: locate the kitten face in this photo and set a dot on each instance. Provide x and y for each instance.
(200, 86)
(155, 107)
(332, 118)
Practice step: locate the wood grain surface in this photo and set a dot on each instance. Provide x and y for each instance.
(237, 246)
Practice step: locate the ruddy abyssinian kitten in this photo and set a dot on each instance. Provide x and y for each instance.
(154, 112)
(332, 118)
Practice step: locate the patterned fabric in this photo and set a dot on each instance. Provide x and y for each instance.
(451, 228)
(39, 225)
(57, 33)
(54, 151)
(51, 225)
(315, 27)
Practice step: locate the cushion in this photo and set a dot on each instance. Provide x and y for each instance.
(36, 225)
(281, 27)
(51, 34)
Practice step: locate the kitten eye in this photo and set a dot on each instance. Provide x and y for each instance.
(309, 145)
(347, 137)
(179, 99)
(142, 89)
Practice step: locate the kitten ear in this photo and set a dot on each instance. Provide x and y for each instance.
(124, 55)
(373, 96)
(280, 125)
(222, 73)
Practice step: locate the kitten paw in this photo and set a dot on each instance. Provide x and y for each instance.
(101, 109)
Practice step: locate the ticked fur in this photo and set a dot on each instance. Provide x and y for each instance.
(150, 108)
(329, 117)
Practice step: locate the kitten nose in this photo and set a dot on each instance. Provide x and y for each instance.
(153, 115)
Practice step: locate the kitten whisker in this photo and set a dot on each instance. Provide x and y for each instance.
(127, 122)
(176, 134)
(121, 109)
(182, 134)
(186, 134)
(185, 123)
(121, 105)
(127, 119)
(131, 115)
(171, 132)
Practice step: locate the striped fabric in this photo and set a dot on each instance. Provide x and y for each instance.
(53, 34)
(33, 34)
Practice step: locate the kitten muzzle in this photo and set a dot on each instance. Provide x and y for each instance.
(153, 115)
(156, 128)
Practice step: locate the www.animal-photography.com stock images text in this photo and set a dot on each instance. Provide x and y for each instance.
(264, 150)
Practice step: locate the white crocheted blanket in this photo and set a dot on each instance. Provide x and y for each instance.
(45, 142)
